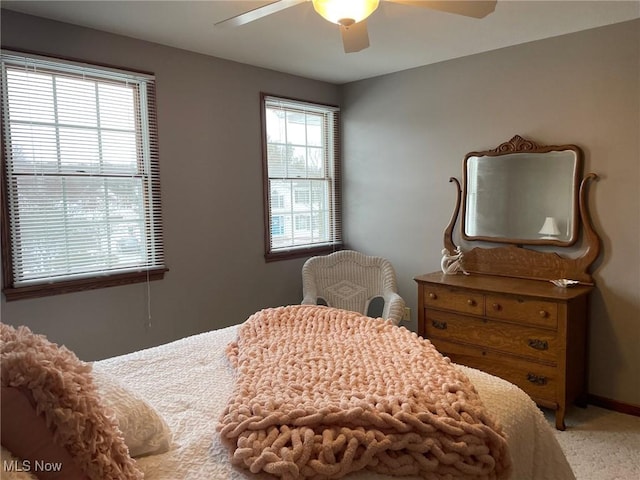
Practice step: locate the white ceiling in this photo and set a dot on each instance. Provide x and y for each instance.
(298, 41)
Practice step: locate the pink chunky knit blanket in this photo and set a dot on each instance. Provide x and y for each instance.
(322, 392)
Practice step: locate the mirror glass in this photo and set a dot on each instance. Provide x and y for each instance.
(522, 197)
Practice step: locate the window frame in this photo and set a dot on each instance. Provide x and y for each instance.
(152, 208)
(335, 210)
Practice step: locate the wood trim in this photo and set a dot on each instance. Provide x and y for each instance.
(521, 145)
(516, 144)
(99, 279)
(448, 233)
(5, 238)
(76, 60)
(591, 238)
(303, 252)
(513, 259)
(92, 283)
(614, 405)
(336, 185)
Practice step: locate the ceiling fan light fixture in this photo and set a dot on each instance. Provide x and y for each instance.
(345, 12)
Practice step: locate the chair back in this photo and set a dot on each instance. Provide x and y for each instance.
(352, 281)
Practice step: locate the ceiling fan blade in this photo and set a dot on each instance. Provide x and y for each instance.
(468, 8)
(355, 37)
(257, 13)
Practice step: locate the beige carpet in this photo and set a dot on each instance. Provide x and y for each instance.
(600, 444)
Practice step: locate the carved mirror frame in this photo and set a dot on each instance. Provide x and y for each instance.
(520, 178)
(512, 259)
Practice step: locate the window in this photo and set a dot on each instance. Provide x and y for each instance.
(302, 178)
(277, 225)
(303, 223)
(81, 196)
(301, 196)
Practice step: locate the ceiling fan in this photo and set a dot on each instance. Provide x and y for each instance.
(351, 15)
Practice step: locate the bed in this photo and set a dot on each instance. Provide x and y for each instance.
(188, 383)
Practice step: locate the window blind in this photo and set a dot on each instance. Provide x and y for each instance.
(81, 170)
(303, 175)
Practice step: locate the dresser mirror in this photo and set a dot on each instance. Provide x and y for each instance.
(525, 195)
(522, 193)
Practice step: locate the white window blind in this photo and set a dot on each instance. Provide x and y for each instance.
(81, 170)
(303, 184)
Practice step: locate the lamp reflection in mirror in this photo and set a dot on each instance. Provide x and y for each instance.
(549, 230)
(345, 12)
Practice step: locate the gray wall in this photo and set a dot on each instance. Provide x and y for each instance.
(211, 174)
(407, 133)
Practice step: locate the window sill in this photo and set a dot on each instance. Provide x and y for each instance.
(302, 252)
(58, 288)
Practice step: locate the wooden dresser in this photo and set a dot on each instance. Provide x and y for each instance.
(528, 332)
(505, 316)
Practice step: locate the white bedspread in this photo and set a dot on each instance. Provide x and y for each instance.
(189, 381)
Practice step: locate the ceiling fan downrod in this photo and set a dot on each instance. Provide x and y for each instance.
(346, 22)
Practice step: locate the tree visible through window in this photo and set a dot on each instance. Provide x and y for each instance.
(81, 199)
(302, 177)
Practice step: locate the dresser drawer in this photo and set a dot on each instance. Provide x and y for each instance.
(523, 309)
(535, 343)
(538, 380)
(463, 301)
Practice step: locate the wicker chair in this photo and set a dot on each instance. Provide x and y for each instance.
(353, 281)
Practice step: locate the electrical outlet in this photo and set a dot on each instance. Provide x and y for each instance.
(407, 315)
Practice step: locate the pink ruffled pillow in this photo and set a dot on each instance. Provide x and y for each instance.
(53, 414)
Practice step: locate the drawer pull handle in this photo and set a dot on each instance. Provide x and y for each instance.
(471, 302)
(497, 307)
(537, 379)
(544, 314)
(432, 296)
(439, 325)
(538, 344)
